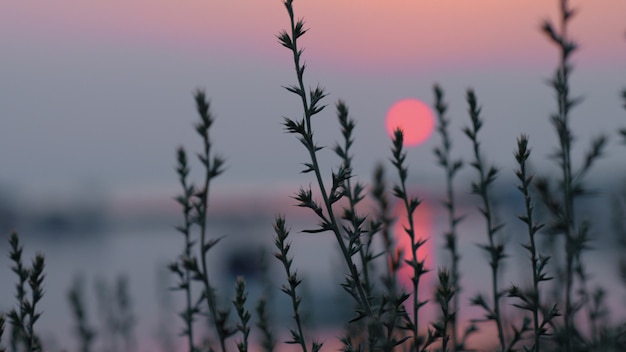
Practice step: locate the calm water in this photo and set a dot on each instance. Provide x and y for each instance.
(141, 252)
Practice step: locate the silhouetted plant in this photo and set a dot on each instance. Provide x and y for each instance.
(495, 247)
(355, 230)
(280, 241)
(83, 331)
(213, 167)
(268, 342)
(571, 183)
(361, 233)
(23, 318)
(244, 316)
(383, 216)
(390, 311)
(178, 267)
(195, 203)
(311, 105)
(116, 312)
(451, 167)
(410, 204)
(263, 307)
(531, 298)
(2, 348)
(444, 295)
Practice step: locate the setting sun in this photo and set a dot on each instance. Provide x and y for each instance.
(414, 118)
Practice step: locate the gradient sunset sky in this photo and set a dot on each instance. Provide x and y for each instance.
(100, 92)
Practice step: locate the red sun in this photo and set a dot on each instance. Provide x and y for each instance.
(414, 118)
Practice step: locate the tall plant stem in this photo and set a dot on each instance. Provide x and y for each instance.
(185, 201)
(291, 42)
(450, 167)
(481, 188)
(561, 124)
(212, 167)
(567, 179)
(522, 154)
(410, 205)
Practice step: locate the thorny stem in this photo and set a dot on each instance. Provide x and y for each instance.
(443, 294)
(2, 349)
(391, 252)
(242, 313)
(353, 193)
(283, 255)
(526, 180)
(23, 322)
(482, 189)
(567, 177)
(393, 257)
(450, 167)
(84, 332)
(313, 155)
(363, 249)
(212, 169)
(183, 171)
(455, 260)
(561, 122)
(410, 206)
(210, 296)
(35, 282)
(18, 320)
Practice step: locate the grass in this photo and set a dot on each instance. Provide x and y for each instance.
(23, 317)
(531, 298)
(451, 168)
(495, 247)
(558, 311)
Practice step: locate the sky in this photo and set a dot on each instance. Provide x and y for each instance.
(98, 95)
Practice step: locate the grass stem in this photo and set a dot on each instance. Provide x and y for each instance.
(451, 167)
(213, 166)
(410, 205)
(495, 251)
(304, 129)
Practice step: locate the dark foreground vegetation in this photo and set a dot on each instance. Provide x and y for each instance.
(558, 311)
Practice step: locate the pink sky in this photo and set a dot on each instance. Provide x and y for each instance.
(361, 34)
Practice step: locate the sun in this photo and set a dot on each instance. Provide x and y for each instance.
(414, 118)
